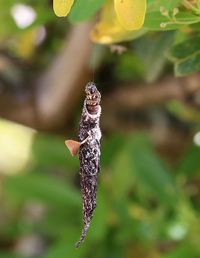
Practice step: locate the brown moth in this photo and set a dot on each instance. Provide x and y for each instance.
(89, 153)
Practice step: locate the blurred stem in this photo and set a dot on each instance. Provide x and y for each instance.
(198, 5)
(161, 92)
(191, 6)
(62, 84)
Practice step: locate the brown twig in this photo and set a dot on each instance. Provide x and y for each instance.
(142, 96)
(61, 85)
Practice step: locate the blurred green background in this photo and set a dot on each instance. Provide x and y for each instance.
(148, 201)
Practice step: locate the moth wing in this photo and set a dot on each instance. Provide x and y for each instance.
(73, 146)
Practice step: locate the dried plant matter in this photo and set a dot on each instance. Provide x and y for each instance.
(89, 153)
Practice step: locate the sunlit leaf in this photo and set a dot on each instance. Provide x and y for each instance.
(131, 13)
(15, 141)
(109, 30)
(62, 7)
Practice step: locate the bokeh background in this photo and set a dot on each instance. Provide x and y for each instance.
(148, 201)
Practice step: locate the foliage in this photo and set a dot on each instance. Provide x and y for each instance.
(141, 202)
(148, 198)
(130, 12)
(160, 16)
(186, 56)
(129, 15)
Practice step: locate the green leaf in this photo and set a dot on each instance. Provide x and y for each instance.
(83, 10)
(184, 250)
(97, 231)
(150, 172)
(190, 162)
(50, 150)
(150, 2)
(129, 227)
(184, 112)
(195, 27)
(121, 185)
(186, 57)
(153, 54)
(129, 67)
(43, 188)
(65, 247)
(153, 20)
(8, 255)
(110, 148)
(167, 4)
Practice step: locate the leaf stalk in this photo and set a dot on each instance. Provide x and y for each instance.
(191, 6)
(198, 5)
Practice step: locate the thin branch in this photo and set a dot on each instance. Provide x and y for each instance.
(59, 88)
(132, 97)
(191, 6)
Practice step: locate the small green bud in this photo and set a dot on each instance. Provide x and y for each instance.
(175, 11)
(165, 13)
(162, 9)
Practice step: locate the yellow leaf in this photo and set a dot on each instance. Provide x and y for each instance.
(16, 143)
(62, 7)
(109, 30)
(131, 13)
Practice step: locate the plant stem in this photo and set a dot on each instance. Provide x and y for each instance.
(192, 7)
(198, 5)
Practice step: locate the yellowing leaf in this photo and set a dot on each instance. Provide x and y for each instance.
(131, 13)
(62, 7)
(15, 155)
(109, 30)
